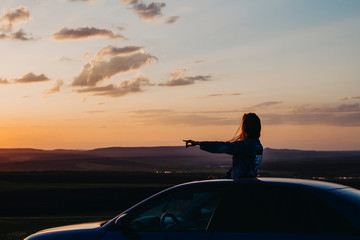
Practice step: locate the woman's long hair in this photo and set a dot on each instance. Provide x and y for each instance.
(250, 127)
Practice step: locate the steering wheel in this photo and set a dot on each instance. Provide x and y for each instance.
(173, 217)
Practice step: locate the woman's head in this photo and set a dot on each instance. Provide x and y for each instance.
(250, 127)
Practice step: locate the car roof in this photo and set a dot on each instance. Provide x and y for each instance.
(327, 186)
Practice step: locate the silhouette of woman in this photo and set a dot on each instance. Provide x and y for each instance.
(245, 148)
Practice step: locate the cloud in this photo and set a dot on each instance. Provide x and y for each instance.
(14, 16)
(219, 95)
(325, 109)
(31, 77)
(172, 19)
(120, 60)
(349, 98)
(146, 12)
(114, 51)
(86, 56)
(130, 2)
(266, 104)
(178, 78)
(65, 59)
(4, 81)
(21, 35)
(4, 36)
(152, 111)
(94, 111)
(18, 35)
(126, 87)
(56, 88)
(341, 115)
(97, 71)
(85, 32)
(344, 115)
(169, 117)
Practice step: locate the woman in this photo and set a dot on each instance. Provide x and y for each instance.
(246, 147)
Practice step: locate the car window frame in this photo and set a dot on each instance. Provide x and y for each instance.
(222, 187)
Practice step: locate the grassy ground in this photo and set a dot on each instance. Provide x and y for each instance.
(31, 201)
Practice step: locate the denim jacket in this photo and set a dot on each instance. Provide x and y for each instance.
(247, 155)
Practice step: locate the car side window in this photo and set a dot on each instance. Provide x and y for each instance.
(188, 209)
(277, 209)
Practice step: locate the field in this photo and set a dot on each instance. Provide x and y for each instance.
(31, 201)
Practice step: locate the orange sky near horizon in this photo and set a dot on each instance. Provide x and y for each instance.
(73, 136)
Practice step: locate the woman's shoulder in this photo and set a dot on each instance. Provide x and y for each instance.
(248, 141)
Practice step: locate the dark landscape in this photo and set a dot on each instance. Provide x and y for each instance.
(47, 188)
(281, 162)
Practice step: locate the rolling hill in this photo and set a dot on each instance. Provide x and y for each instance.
(151, 159)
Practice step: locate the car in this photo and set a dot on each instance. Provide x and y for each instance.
(258, 208)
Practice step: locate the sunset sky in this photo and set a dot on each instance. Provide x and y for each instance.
(82, 74)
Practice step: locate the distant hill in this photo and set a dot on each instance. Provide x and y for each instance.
(152, 159)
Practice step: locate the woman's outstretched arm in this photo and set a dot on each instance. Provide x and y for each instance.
(217, 147)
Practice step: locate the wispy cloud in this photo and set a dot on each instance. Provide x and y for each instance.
(219, 95)
(99, 70)
(94, 111)
(85, 32)
(114, 51)
(18, 35)
(14, 16)
(179, 78)
(169, 117)
(21, 35)
(31, 78)
(65, 59)
(152, 111)
(3, 36)
(56, 88)
(126, 87)
(146, 12)
(267, 104)
(4, 81)
(341, 115)
(345, 115)
(86, 56)
(149, 12)
(326, 109)
(171, 19)
(349, 98)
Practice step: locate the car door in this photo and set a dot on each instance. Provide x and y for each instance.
(181, 213)
(276, 211)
